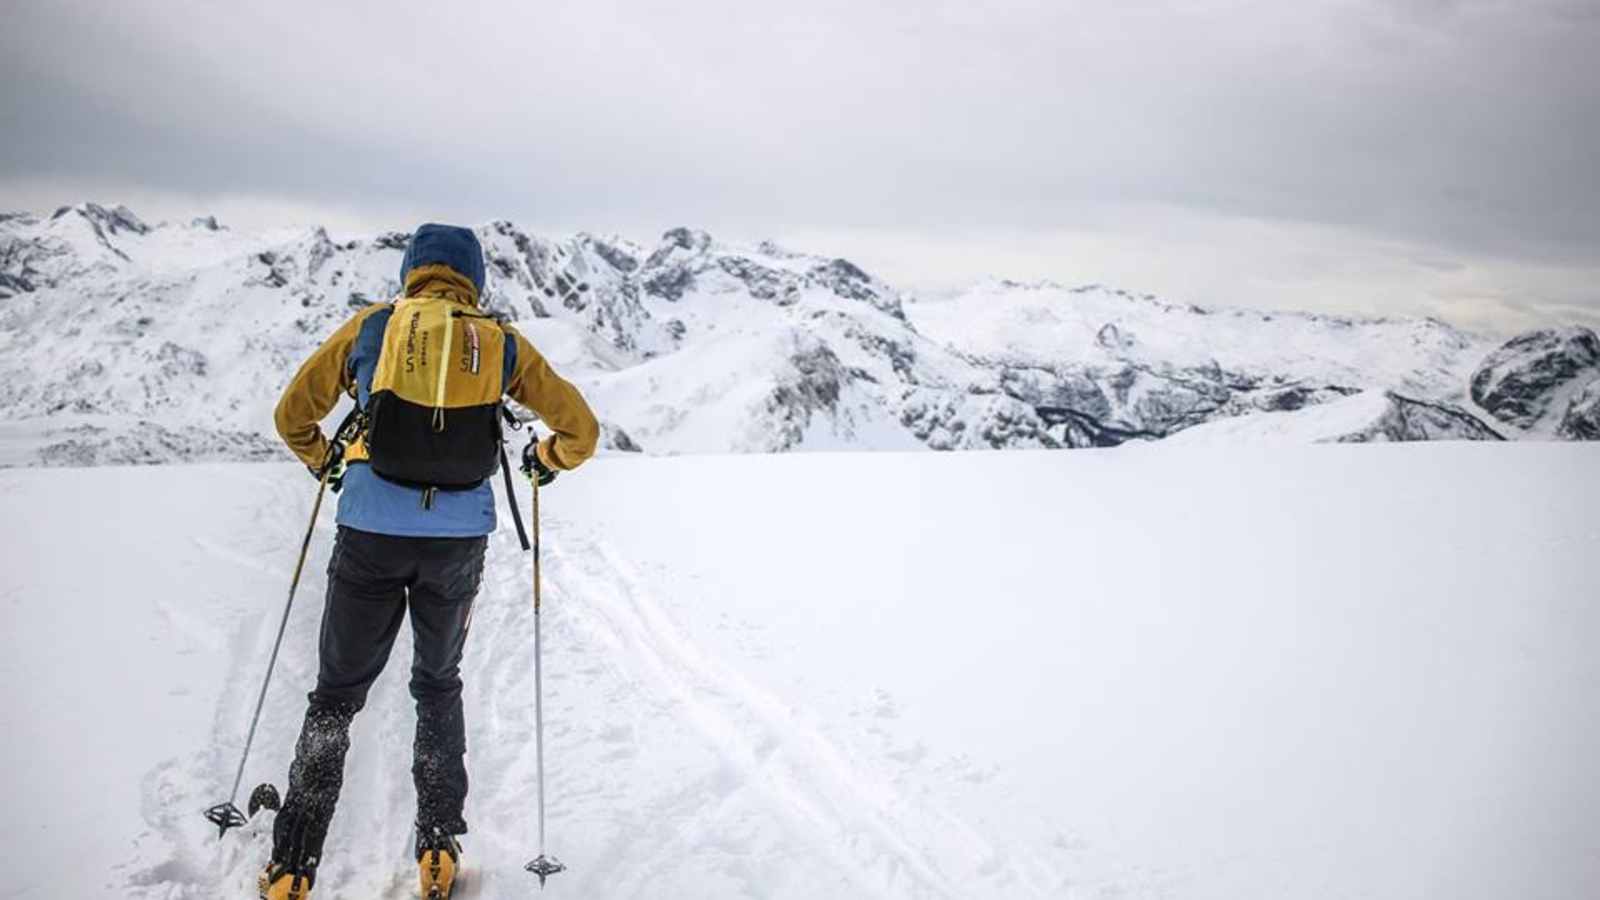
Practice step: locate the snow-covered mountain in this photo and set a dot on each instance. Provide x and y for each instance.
(126, 342)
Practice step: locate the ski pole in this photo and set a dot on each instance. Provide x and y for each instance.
(542, 866)
(227, 815)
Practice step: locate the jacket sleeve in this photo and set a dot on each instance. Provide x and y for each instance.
(575, 432)
(315, 390)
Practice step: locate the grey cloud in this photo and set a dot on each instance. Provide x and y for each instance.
(1468, 126)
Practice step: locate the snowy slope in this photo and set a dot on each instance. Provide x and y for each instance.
(122, 341)
(1362, 418)
(1308, 672)
(1037, 324)
(1107, 365)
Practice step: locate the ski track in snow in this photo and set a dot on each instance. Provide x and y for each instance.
(840, 815)
(668, 771)
(727, 719)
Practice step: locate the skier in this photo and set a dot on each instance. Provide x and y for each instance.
(428, 372)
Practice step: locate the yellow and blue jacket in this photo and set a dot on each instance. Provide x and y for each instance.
(344, 366)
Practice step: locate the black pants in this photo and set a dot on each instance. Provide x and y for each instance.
(372, 580)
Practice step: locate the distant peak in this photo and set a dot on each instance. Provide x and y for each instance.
(113, 221)
(775, 250)
(691, 239)
(392, 240)
(1043, 284)
(844, 268)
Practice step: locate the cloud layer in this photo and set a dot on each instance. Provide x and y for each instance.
(1465, 132)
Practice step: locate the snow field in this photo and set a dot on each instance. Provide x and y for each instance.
(1151, 672)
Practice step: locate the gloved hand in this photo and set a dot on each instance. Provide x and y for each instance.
(534, 467)
(334, 466)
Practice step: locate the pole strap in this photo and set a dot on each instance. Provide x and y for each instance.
(509, 420)
(511, 498)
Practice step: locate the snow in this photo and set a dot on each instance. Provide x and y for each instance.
(1162, 671)
(122, 342)
(1369, 415)
(1324, 422)
(1046, 323)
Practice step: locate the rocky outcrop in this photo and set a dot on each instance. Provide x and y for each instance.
(74, 242)
(613, 437)
(810, 387)
(587, 278)
(1103, 406)
(1369, 417)
(147, 443)
(28, 263)
(1581, 422)
(106, 221)
(1409, 419)
(763, 282)
(1526, 381)
(942, 420)
(847, 280)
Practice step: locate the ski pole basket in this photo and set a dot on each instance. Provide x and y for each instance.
(544, 867)
(225, 816)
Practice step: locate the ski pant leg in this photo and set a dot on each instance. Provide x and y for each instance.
(449, 573)
(360, 619)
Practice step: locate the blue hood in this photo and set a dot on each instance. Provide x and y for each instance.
(448, 245)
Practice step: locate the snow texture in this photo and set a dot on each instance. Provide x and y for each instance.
(1309, 672)
(122, 341)
(1367, 417)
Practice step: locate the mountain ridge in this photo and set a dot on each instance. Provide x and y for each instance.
(131, 342)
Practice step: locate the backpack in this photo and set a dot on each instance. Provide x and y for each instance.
(433, 418)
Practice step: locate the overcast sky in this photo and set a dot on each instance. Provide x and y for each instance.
(1409, 156)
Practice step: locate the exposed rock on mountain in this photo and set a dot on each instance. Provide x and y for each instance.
(1582, 419)
(1102, 367)
(144, 442)
(614, 438)
(1369, 417)
(74, 242)
(1529, 381)
(1405, 419)
(171, 341)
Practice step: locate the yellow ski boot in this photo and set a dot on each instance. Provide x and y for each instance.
(438, 864)
(279, 882)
